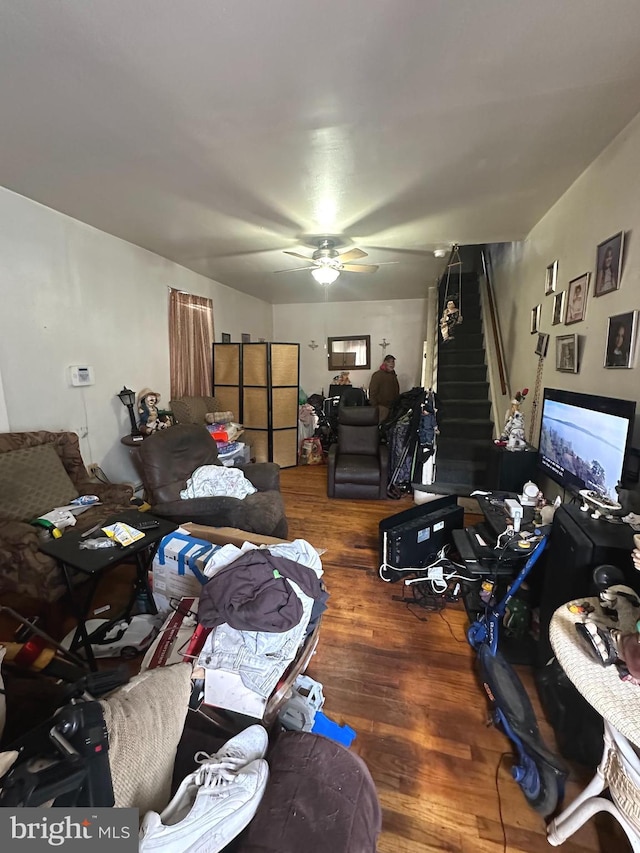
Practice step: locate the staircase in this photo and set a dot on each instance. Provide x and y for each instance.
(464, 407)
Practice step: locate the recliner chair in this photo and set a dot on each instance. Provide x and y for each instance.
(167, 460)
(358, 463)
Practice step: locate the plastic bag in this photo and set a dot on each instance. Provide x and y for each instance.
(311, 451)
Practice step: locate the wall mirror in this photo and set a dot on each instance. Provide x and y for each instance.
(349, 353)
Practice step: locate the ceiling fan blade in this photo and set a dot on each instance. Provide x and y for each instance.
(351, 255)
(360, 267)
(296, 255)
(295, 269)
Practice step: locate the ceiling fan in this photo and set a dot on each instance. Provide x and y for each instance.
(327, 263)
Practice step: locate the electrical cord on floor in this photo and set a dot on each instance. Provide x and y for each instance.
(448, 624)
(504, 829)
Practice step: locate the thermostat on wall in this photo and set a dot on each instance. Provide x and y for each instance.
(80, 374)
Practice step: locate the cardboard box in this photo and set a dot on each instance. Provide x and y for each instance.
(228, 535)
(178, 568)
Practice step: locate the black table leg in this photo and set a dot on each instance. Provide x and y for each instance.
(80, 610)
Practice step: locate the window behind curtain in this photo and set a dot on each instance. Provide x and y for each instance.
(190, 344)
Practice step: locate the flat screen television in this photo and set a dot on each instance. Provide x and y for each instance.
(584, 439)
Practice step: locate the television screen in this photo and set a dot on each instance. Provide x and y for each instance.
(583, 440)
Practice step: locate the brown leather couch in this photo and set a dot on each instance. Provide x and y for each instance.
(24, 569)
(358, 463)
(167, 460)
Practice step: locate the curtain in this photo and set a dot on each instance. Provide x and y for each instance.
(190, 344)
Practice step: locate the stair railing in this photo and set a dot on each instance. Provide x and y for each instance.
(497, 374)
(429, 377)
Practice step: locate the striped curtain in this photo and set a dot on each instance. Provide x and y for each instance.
(190, 344)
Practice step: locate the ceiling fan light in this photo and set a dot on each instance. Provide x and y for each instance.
(325, 274)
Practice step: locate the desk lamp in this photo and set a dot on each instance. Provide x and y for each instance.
(127, 398)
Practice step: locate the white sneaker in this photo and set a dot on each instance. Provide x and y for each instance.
(245, 747)
(214, 807)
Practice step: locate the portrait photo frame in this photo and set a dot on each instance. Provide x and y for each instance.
(551, 279)
(620, 344)
(226, 338)
(542, 344)
(245, 337)
(535, 319)
(567, 353)
(609, 265)
(557, 317)
(576, 301)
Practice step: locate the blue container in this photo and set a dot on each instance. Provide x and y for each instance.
(322, 725)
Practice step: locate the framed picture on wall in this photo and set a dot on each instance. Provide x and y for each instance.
(535, 319)
(551, 279)
(542, 345)
(621, 340)
(226, 338)
(609, 265)
(558, 308)
(576, 307)
(567, 353)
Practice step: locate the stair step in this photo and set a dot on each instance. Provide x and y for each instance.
(466, 428)
(466, 372)
(450, 354)
(465, 341)
(460, 409)
(463, 390)
(474, 450)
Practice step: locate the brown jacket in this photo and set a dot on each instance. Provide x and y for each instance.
(383, 388)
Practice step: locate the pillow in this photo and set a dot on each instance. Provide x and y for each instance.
(145, 719)
(34, 481)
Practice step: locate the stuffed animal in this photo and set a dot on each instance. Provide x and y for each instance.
(150, 420)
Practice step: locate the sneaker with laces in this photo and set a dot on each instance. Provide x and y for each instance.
(214, 807)
(242, 749)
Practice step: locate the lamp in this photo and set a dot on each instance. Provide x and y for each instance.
(325, 274)
(128, 398)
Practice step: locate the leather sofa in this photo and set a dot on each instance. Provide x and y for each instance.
(167, 460)
(358, 463)
(24, 569)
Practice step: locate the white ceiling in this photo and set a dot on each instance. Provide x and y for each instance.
(219, 132)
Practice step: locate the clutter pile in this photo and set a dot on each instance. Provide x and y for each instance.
(226, 432)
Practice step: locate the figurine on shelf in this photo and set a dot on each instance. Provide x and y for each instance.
(342, 378)
(150, 418)
(514, 423)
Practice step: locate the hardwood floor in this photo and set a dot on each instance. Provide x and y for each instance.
(404, 680)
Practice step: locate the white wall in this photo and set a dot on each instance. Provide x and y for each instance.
(402, 322)
(603, 201)
(72, 294)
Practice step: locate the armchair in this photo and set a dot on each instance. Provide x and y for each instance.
(192, 410)
(24, 569)
(358, 463)
(169, 458)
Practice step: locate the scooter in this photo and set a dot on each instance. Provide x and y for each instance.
(538, 772)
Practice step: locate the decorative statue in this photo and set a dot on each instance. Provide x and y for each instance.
(514, 422)
(150, 419)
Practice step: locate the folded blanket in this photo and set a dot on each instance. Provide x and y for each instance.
(217, 480)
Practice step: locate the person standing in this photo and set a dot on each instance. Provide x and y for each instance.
(384, 387)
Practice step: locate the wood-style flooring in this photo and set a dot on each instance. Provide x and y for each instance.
(404, 680)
